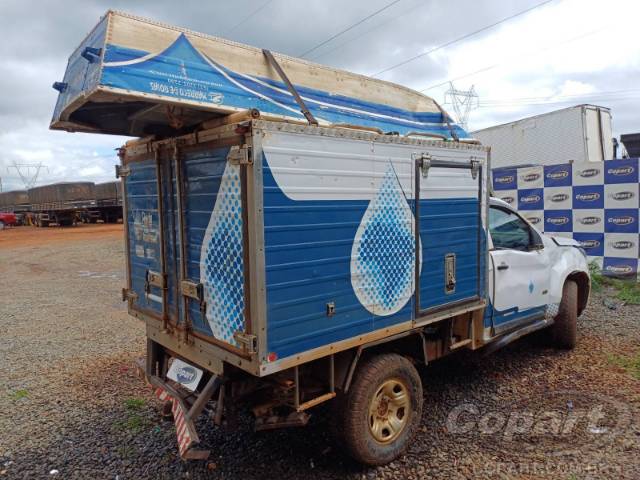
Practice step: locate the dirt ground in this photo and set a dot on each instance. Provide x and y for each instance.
(34, 236)
(71, 405)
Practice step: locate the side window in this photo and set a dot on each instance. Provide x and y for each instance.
(508, 230)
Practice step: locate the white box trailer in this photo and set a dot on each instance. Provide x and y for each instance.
(576, 134)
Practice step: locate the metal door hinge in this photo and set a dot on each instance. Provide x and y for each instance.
(122, 171)
(129, 295)
(155, 279)
(475, 167)
(192, 290)
(424, 161)
(196, 292)
(249, 342)
(239, 155)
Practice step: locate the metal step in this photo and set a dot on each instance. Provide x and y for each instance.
(515, 335)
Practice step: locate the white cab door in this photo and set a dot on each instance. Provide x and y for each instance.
(520, 273)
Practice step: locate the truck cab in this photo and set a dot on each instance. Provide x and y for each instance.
(528, 271)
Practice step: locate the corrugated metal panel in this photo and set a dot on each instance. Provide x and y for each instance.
(339, 230)
(307, 254)
(62, 192)
(631, 142)
(107, 190)
(14, 198)
(214, 255)
(449, 226)
(551, 138)
(144, 234)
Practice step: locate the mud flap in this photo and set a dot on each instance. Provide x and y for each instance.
(183, 414)
(185, 428)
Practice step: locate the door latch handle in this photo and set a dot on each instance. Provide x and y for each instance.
(503, 266)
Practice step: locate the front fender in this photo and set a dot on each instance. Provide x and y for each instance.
(565, 262)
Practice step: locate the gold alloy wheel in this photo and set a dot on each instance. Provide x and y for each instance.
(389, 411)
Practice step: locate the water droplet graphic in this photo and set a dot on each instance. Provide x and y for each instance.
(222, 262)
(383, 252)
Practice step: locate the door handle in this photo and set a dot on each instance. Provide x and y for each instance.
(503, 266)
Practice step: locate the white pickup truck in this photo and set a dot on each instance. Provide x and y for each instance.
(297, 235)
(318, 291)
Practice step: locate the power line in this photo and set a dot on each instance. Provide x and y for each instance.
(495, 65)
(326, 52)
(351, 27)
(610, 94)
(459, 39)
(248, 17)
(558, 103)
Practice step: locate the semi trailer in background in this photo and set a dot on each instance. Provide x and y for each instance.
(108, 205)
(572, 135)
(60, 203)
(17, 203)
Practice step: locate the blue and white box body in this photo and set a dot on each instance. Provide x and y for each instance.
(302, 238)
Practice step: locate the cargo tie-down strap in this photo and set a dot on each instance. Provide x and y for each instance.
(292, 90)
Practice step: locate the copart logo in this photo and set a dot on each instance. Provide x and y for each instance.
(558, 175)
(619, 269)
(505, 179)
(558, 220)
(509, 200)
(622, 244)
(619, 171)
(530, 198)
(559, 197)
(588, 197)
(533, 220)
(186, 374)
(625, 220)
(626, 195)
(590, 243)
(531, 177)
(589, 172)
(589, 220)
(554, 423)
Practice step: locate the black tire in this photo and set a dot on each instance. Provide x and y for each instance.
(353, 418)
(564, 329)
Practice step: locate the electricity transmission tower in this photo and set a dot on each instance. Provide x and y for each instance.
(463, 102)
(28, 172)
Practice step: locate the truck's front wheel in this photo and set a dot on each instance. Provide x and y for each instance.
(564, 329)
(380, 413)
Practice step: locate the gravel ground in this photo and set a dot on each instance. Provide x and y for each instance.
(72, 404)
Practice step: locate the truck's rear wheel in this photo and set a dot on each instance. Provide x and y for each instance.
(380, 413)
(564, 329)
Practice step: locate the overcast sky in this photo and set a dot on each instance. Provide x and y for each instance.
(562, 53)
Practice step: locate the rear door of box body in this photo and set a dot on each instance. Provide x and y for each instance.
(143, 234)
(339, 237)
(203, 204)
